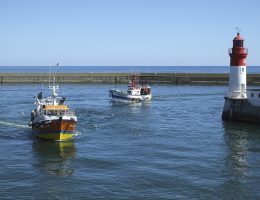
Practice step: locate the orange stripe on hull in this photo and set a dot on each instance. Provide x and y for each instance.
(56, 130)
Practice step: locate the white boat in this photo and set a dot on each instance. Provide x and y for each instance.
(136, 92)
(52, 119)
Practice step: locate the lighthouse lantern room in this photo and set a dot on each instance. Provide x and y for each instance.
(237, 76)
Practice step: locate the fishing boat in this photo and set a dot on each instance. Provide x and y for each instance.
(52, 119)
(136, 92)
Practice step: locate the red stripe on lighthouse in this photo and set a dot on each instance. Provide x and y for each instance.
(238, 53)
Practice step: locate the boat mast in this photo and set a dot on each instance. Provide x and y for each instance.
(54, 86)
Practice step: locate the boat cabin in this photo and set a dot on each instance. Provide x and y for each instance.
(135, 90)
(55, 110)
(138, 89)
(145, 91)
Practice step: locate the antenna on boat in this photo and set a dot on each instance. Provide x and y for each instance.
(50, 76)
(54, 73)
(53, 87)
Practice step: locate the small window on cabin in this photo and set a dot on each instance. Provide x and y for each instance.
(252, 95)
(258, 95)
(242, 69)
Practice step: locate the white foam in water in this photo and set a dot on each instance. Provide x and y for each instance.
(77, 133)
(11, 124)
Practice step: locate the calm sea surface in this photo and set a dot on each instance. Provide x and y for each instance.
(124, 69)
(175, 147)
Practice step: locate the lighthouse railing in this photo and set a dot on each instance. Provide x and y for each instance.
(237, 94)
(238, 50)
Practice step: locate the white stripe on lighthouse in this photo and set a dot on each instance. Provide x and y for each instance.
(237, 82)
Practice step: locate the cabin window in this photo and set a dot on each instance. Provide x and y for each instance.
(258, 95)
(252, 95)
(148, 91)
(242, 69)
(142, 91)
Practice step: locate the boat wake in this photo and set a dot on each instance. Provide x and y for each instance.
(77, 133)
(12, 124)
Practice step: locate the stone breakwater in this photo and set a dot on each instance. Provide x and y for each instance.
(240, 110)
(171, 78)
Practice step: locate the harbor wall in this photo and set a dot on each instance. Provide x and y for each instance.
(240, 110)
(172, 78)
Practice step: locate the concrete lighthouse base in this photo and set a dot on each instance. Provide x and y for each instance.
(240, 110)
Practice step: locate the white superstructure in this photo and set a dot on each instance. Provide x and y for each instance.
(237, 82)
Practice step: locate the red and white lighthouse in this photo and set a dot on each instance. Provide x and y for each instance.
(237, 75)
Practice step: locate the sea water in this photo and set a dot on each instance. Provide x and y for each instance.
(174, 147)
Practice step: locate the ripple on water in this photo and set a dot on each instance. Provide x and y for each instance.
(174, 147)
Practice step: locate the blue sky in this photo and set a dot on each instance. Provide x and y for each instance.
(126, 32)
